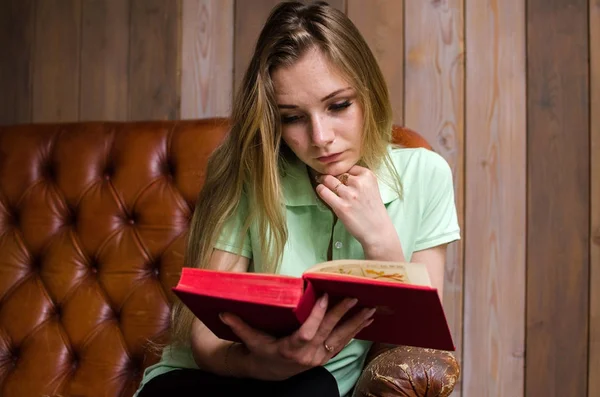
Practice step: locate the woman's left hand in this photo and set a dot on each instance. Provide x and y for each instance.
(354, 197)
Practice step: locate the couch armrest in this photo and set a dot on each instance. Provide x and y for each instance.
(409, 372)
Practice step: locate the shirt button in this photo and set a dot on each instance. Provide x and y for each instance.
(338, 244)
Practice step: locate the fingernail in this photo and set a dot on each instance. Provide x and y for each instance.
(323, 301)
(222, 317)
(370, 312)
(352, 302)
(369, 322)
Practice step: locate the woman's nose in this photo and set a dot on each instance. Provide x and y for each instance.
(322, 134)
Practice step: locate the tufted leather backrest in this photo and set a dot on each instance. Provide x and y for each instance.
(93, 224)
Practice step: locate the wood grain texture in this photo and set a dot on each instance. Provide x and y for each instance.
(104, 60)
(434, 105)
(558, 200)
(495, 186)
(250, 17)
(16, 42)
(207, 58)
(381, 24)
(56, 61)
(154, 80)
(594, 349)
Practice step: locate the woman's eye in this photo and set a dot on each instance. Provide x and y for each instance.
(290, 119)
(336, 107)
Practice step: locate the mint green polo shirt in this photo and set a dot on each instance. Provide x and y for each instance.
(424, 217)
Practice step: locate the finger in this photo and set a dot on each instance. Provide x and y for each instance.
(327, 195)
(333, 184)
(333, 317)
(309, 328)
(339, 345)
(344, 178)
(348, 330)
(330, 181)
(249, 336)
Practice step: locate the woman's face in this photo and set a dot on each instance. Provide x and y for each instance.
(321, 118)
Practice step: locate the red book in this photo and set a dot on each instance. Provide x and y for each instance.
(409, 311)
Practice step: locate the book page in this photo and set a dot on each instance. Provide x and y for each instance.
(409, 273)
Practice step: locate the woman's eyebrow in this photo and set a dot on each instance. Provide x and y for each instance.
(334, 93)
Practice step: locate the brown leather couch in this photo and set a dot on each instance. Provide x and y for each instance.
(93, 224)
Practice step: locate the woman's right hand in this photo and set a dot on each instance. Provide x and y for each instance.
(270, 358)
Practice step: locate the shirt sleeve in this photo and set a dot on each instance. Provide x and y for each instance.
(230, 238)
(439, 221)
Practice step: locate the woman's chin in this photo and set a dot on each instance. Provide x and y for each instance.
(335, 169)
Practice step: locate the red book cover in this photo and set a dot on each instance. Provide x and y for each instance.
(409, 311)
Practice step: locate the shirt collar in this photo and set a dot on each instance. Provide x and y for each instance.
(298, 191)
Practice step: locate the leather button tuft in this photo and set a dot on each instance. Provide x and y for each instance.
(57, 312)
(94, 265)
(132, 219)
(36, 263)
(169, 168)
(75, 361)
(15, 218)
(136, 367)
(49, 171)
(72, 218)
(15, 353)
(155, 266)
(108, 172)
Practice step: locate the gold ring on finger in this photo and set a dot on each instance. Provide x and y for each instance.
(335, 190)
(327, 347)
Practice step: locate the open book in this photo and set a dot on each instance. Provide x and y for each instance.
(409, 311)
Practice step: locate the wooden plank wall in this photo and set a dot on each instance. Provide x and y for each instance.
(434, 104)
(507, 91)
(558, 204)
(16, 37)
(72, 60)
(104, 60)
(594, 347)
(207, 58)
(495, 227)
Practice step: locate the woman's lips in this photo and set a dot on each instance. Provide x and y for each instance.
(330, 158)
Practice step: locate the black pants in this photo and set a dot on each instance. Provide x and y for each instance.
(192, 382)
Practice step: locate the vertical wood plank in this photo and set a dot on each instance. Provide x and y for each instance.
(104, 60)
(16, 42)
(250, 17)
(381, 24)
(495, 211)
(207, 58)
(154, 81)
(558, 198)
(56, 61)
(594, 369)
(434, 106)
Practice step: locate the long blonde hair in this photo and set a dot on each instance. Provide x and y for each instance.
(247, 162)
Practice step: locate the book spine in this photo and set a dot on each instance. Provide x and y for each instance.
(306, 303)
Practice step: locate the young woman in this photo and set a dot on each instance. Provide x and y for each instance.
(307, 174)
